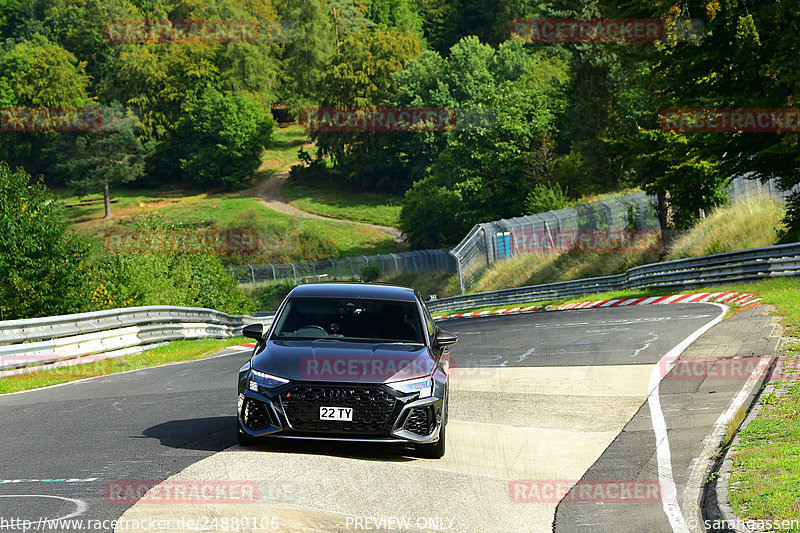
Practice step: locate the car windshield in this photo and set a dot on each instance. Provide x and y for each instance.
(345, 319)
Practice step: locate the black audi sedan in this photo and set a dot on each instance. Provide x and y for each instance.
(348, 362)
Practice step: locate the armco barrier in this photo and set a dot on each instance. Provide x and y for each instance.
(90, 336)
(83, 337)
(731, 267)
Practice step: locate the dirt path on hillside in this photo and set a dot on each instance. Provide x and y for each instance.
(269, 194)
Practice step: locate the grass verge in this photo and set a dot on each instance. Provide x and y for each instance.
(286, 238)
(176, 351)
(336, 202)
(765, 477)
(286, 141)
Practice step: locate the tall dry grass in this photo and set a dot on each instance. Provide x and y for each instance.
(747, 224)
(533, 269)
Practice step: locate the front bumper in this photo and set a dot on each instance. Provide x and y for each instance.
(410, 420)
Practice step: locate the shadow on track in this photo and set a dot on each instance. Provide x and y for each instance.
(208, 434)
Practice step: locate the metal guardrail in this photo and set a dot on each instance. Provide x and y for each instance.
(37, 343)
(743, 265)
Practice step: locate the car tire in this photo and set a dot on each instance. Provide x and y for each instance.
(243, 439)
(433, 451)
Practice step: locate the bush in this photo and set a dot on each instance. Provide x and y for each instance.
(370, 272)
(227, 136)
(182, 279)
(269, 297)
(42, 265)
(546, 197)
(430, 216)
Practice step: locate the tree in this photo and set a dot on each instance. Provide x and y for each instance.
(37, 73)
(310, 44)
(747, 58)
(41, 263)
(362, 76)
(111, 154)
(430, 216)
(518, 97)
(225, 138)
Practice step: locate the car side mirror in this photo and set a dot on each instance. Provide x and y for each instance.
(254, 331)
(444, 338)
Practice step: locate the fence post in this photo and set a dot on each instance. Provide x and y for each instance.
(487, 244)
(274, 277)
(294, 273)
(458, 269)
(252, 274)
(333, 265)
(352, 272)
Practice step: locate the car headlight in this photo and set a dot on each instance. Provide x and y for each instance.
(424, 386)
(262, 379)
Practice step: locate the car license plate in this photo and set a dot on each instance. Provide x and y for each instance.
(342, 414)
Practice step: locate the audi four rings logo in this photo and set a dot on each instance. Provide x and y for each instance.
(337, 393)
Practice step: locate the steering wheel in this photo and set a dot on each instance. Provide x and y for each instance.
(312, 328)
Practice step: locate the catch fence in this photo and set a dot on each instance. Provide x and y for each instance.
(627, 220)
(346, 268)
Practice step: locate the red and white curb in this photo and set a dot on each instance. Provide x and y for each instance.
(248, 346)
(741, 299)
(510, 311)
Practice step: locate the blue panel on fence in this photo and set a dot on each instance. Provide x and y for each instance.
(503, 245)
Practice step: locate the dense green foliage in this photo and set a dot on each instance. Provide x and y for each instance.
(227, 134)
(111, 154)
(47, 270)
(538, 125)
(42, 265)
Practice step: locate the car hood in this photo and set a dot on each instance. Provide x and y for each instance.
(344, 361)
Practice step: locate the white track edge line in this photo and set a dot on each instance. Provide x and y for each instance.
(669, 499)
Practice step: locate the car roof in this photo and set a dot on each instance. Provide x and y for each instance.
(354, 290)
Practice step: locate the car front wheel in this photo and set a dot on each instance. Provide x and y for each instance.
(433, 451)
(243, 439)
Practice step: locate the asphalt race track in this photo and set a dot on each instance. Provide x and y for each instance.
(537, 401)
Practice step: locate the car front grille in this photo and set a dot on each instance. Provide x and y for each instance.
(420, 421)
(372, 407)
(255, 414)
